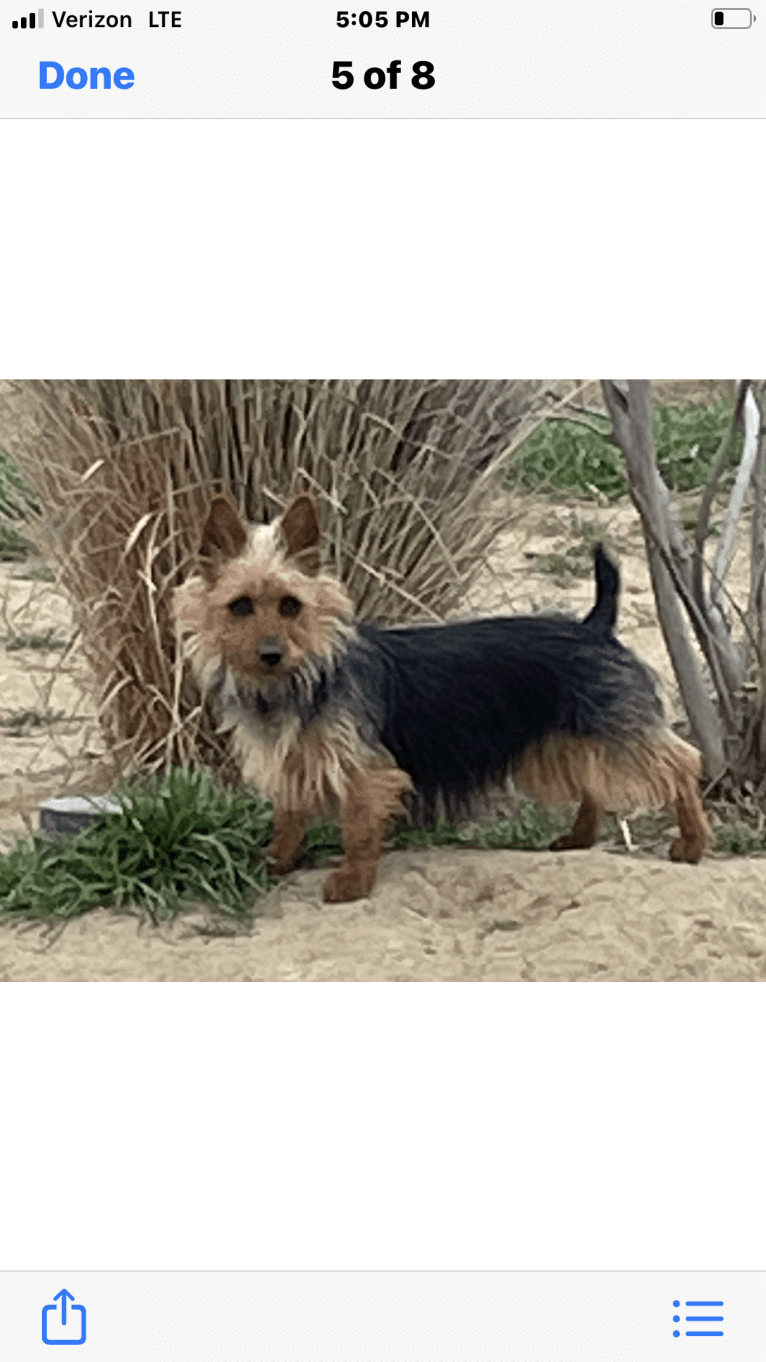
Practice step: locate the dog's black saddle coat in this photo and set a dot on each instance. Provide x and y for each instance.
(457, 705)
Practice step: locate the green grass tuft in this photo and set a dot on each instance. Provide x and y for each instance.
(37, 571)
(16, 499)
(738, 838)
(14, 548)
(47, 642)
(531, 828)
(176, 842)
(20, 721)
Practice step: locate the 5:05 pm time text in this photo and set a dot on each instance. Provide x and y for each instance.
(379, 19)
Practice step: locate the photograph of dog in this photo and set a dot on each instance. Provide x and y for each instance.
(365, 722)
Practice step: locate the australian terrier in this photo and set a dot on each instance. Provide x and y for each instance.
(333, 716)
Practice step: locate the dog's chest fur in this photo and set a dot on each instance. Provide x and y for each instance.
(297, 743)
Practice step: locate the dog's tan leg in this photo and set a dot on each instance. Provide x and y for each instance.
(585, 830)
(289, 828)
(371, 798)
(692, 824)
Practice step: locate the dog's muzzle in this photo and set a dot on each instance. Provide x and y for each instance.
(270, 652)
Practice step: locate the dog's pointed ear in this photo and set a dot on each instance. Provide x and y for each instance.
(300, 531)
(223, 537)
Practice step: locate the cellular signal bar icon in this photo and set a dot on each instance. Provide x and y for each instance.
(34, 20)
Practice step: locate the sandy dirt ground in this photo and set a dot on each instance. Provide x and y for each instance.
(434, 915)
(465, 915)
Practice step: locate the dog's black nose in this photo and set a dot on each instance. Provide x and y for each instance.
(270, 653)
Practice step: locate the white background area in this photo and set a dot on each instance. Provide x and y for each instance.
(507, 59)
(482, 1126)
(466, 249)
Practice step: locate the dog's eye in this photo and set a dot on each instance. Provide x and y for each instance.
(289, 606)
(242, 606)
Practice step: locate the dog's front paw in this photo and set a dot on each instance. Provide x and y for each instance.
(688, 849)
(281, 865)
(563, 843)
(348, 883)
(569, 841)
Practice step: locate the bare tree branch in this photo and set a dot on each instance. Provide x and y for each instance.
(725, 552)
(756, 603)
(710, 626)
(632, 424)
(708, 494)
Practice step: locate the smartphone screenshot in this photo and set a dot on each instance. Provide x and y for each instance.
(382, 755)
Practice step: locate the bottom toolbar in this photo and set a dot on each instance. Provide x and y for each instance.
(380, 1316)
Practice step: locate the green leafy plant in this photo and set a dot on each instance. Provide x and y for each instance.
(687, 439)
(176, 841)
(581, 457)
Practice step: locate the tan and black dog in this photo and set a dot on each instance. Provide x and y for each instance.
(338, 717)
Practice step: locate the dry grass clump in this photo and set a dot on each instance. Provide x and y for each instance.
(123, 472)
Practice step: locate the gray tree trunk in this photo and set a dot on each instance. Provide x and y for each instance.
(631, 416)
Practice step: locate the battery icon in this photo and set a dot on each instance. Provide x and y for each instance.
(732, 18)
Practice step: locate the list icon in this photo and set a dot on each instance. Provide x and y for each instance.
(700, 1323)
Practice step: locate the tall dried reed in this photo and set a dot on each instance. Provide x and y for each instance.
(123, 472)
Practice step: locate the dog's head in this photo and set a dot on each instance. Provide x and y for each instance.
(262, 603)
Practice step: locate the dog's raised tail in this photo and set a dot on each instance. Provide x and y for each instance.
(603, 617)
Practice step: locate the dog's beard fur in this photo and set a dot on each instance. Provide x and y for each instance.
(297, 749)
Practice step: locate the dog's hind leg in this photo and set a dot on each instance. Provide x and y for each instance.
(585, 830)
(371, 797)
(289, 827)
(692, 823)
